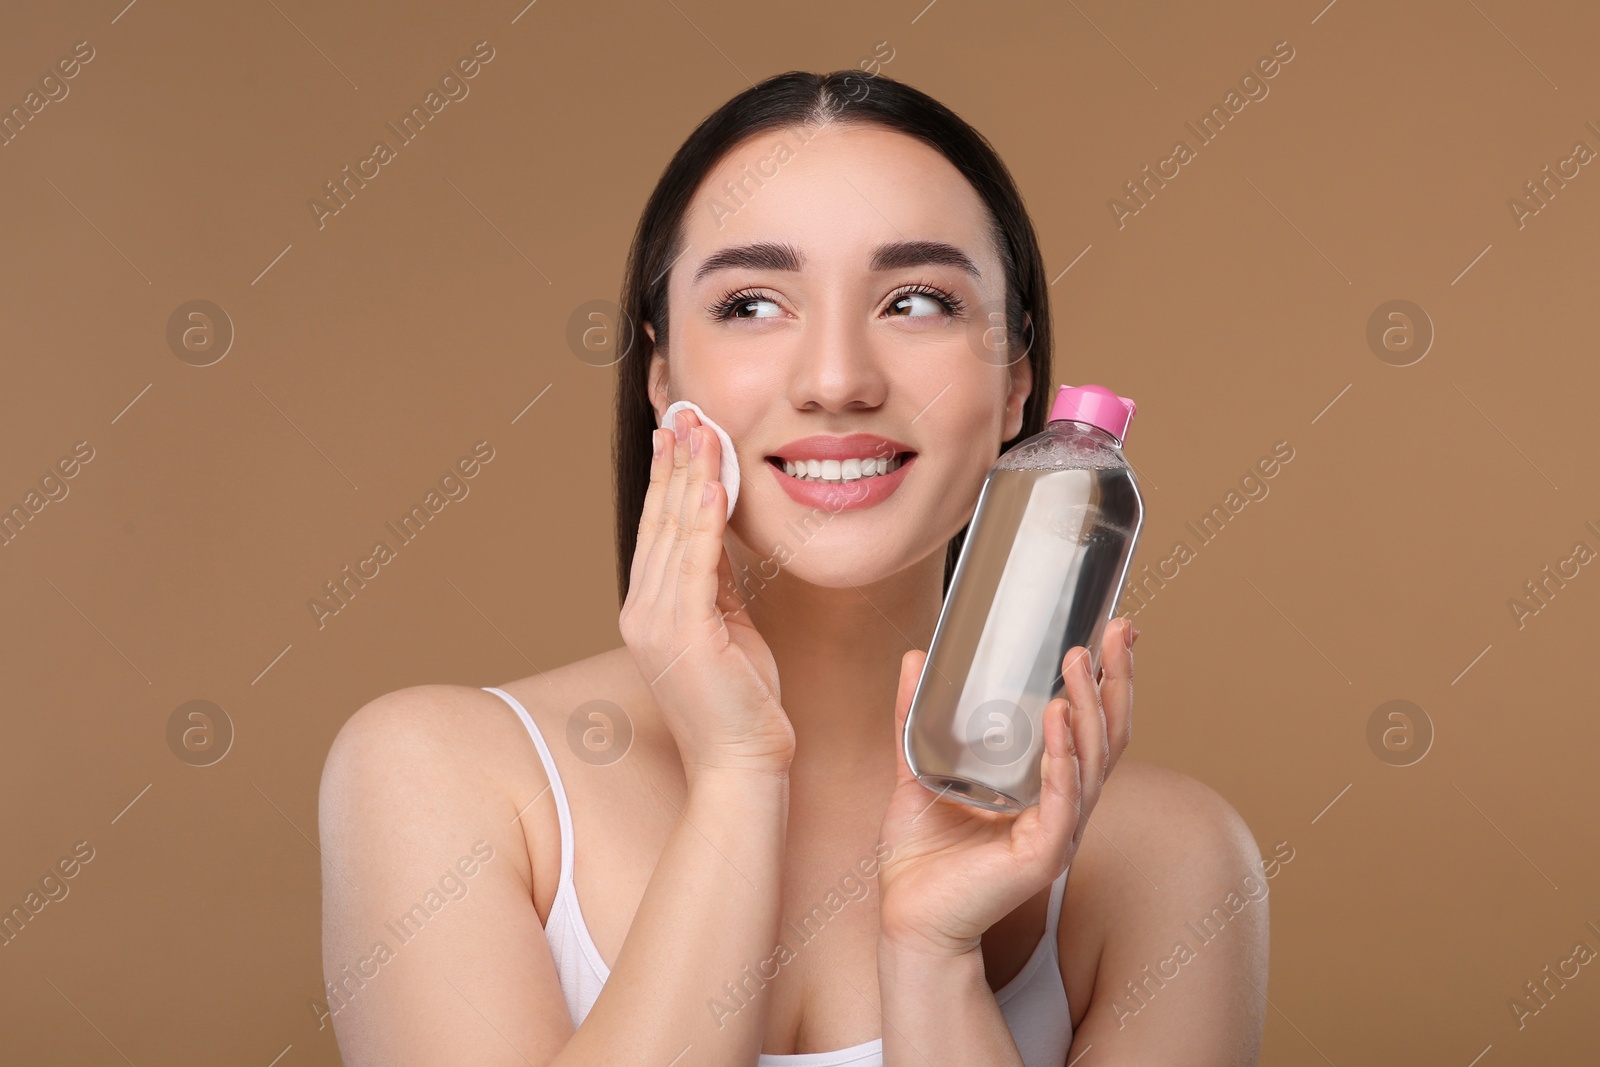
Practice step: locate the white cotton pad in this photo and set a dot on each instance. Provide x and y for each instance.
(730, 461)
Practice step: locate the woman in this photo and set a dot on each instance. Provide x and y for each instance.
(825, 256)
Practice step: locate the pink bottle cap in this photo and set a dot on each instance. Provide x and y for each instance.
(1095, 405)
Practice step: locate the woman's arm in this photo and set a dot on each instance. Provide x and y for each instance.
(430, 965)
(939, 1009)
(1182, 972)
(958, 870)
(1182, 976)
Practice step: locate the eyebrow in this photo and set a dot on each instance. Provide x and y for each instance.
(773, 255)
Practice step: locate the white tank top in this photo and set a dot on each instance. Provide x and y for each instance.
(1034, 1003)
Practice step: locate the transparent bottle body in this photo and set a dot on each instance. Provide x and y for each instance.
(1045, 559)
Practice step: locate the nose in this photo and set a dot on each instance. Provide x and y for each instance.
(836, 367)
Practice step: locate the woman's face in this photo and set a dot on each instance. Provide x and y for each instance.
(874, 306)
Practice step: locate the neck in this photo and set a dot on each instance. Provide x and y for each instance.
(838, 653)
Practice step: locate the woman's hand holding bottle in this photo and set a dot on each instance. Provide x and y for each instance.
(711, 672)
(957, 869)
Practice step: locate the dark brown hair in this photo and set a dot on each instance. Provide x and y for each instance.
(800, 98)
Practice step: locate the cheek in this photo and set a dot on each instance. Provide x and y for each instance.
(967, 450)
(966, 486)
(737, 381)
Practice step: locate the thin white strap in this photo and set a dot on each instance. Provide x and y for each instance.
(563, 812)
(1058, 890)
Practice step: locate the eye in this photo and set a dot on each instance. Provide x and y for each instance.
(733, 305)
(941, 300)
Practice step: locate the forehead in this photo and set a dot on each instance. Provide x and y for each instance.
(835, 192)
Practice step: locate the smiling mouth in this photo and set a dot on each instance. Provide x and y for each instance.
(839, 472)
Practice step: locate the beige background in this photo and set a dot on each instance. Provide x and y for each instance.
(372, 353)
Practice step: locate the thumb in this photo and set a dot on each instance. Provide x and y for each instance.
(910, 671)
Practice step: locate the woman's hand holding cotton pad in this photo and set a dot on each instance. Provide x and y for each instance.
(730, 461)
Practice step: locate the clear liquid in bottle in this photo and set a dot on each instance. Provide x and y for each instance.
(1045, 559)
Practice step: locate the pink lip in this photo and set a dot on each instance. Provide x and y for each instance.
(823, 446)
(846, 496)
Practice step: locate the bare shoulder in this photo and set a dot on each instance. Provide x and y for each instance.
(1171, 873)
(418, 714)
(1174, 820)
(1157, 839)
(445, 727)
(431, 755)
(431, 730)
(423, 856)
(450, 740)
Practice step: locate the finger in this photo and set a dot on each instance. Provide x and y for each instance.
(670, 518)
(650, 513)
(911, 665)
(704, 467)
(658, 510)
(1116, 691)
(1088, 724)
(698, 564)
(1060, 790)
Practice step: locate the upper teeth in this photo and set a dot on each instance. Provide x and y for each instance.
(836, 470)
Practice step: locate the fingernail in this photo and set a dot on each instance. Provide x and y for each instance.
(1127, 635)
(709, 492)
(1135, 637)
(694, 441)
(655, 442)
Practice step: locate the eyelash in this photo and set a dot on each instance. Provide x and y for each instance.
(953, 305)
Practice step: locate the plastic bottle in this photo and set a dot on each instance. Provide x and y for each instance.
(1045, 558)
